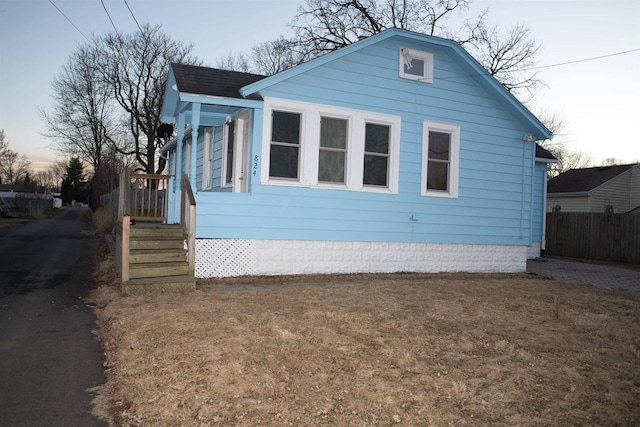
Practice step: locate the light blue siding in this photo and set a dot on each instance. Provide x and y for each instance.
(216, 175)
(493, 204)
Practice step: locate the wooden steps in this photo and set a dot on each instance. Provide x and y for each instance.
(157, 259)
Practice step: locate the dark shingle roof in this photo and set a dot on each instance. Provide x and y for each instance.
(543, 153)
(584, 180)
(211, 81)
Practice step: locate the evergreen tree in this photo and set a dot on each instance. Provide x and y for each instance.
(74, 183)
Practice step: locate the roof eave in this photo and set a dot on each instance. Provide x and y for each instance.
(219, 100)
(569, 194)
(546, 160)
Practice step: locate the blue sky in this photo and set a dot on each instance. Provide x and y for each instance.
(599, 100)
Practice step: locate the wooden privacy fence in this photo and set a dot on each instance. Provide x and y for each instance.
(600, 236)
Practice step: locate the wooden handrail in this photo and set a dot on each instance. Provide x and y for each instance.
(149, 176)
(188, 221)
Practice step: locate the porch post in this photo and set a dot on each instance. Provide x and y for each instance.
(179, 161)
(195, 125)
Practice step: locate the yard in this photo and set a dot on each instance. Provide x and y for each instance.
(380, 350)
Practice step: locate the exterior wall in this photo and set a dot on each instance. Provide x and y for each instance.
(243, 257)
(495, 197)
(216, 174)
(635, 187)
(616, 192)
(568, 204)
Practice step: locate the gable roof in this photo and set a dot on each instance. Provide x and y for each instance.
(585, 180)
(544, 154)
(212, 81)
(473, 67)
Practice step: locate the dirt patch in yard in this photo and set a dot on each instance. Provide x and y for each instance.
(406, 350)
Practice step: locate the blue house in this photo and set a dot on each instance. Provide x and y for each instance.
(398, 153)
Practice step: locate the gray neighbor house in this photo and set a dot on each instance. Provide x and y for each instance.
(614, 189)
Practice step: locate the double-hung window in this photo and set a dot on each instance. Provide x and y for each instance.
(376, 154)
(440, 159)
(314, 145)
(332, 156)
(284, 155)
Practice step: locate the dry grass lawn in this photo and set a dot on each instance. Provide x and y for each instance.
(406, 350)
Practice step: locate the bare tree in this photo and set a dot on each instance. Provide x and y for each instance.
(275, 56)
(612, 161)
(14, 167)
(558, 145)
(323, 26)
(135, 66)
(508, 55)
(233, 62)
(83, 121)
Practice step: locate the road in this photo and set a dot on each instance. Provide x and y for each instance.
(49, 356)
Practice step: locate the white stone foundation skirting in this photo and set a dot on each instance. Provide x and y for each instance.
(240, 257)
(533, 251)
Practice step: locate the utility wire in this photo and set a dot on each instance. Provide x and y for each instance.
(132, 15)
(583, 60)
(111, 20)
(70, 22)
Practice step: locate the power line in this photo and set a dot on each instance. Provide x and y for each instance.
(70, 22)
(583, 60)
(132, 15)
(111, 20)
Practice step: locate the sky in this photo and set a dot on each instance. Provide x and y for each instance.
(598, 100)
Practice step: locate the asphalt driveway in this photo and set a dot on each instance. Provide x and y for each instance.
(49, 356)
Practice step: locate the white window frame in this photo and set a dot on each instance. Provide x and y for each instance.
(406, 55)
(310, 145)
(302, 145)
(454, 158)
(316, 165)
(207, 158)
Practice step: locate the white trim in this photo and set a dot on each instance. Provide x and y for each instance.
(245, 257)
(241, 151)
(454, 160)
(207, 158)
(310, 145)
(406, 56)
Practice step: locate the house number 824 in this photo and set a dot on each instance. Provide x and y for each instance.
(255, 165)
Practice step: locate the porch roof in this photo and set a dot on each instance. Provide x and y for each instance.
(219, 89)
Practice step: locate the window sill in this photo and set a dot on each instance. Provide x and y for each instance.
(442, 194)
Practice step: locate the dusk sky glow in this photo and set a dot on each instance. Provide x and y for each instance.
(599, 99)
